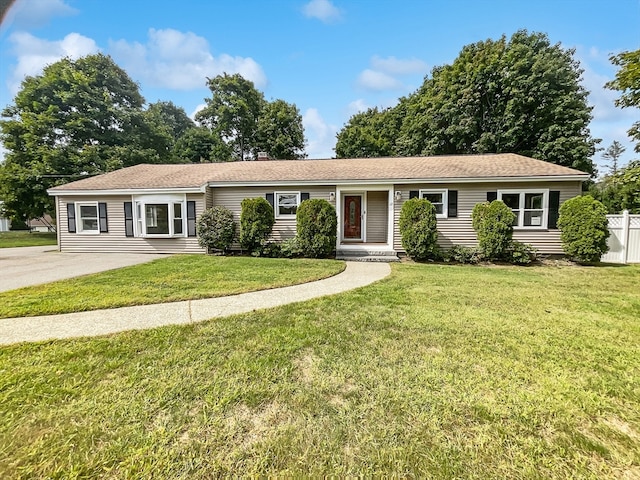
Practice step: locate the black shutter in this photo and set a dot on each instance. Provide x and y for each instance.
(71, 217)
(191, 218)
(102, 215)
(491, 196)
(452, 207)
(554, 207)
(303, 197)
(128, 219)
(270, 199)
(414, 194)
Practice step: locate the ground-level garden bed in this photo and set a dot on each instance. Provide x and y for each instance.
(179, 277)
(438, 371)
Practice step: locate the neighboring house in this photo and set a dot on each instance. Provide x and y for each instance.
(42, 224)
(154, 208)
(5, 223)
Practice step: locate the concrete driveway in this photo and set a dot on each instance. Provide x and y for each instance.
(24, 266)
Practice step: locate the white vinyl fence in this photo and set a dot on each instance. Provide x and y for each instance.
(624, 242)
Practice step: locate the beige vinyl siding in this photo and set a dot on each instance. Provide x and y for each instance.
(377, 217)
(231, 198)
(115, 240)
(459, 231)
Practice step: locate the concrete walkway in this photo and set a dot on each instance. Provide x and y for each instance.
(103, 322)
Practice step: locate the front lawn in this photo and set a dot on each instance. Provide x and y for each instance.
(26, 239)
(179, 277)
(435, 372)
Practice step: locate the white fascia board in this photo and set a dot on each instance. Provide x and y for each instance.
(400, 181)
(127, 191)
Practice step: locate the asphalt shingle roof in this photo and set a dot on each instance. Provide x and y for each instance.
(442, 167)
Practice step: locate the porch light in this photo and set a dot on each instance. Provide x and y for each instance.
(398, 195)
(332, 196)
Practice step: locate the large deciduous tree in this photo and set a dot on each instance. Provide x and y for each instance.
(521, 95)
(627, 81)
(78, 117)
(240, 117)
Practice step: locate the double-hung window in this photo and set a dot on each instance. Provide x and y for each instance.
(286, 204)
(87, 215)
(529, 206)
(438, 199)
(160, 215)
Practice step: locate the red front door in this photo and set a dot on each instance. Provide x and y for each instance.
(353, 217)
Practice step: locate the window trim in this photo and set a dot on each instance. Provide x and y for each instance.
(140, 203)
(521, 210)
(445, 199)
(79, 226)
(276, 204)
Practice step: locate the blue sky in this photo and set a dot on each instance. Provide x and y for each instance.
(332, 58)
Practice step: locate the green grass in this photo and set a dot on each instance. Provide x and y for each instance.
(435, 372)
(26, 239)
(180, 277)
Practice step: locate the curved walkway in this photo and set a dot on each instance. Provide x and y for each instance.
(103, 322)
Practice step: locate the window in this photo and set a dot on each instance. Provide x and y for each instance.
(157, 215)
(438, 198)
(287, 204)
(87, 214)
(529, 206)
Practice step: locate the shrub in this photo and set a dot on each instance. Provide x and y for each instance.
(521, 253)
(317, 226)
(584, 228)
(418, 229)
(256, 222)
(493, 223)
(216, 229)
(462, 254)
(289, 248)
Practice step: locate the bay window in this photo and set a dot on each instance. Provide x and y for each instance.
(159, 215)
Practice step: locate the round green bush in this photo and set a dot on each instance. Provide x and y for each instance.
(317, 226)
(418, 229)
(584, 228)
(493, 223)
(256, 222)
(216, 229)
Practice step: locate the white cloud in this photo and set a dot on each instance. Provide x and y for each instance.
(321, 136)
(609, 122)
(323, 10)
(27, 14)
(384, 73)
(374, 80)
(398, 66)
(199, 107)
(34, 53)
(357, 106)
(181, 61)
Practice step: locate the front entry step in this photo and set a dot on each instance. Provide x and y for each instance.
(367, 255)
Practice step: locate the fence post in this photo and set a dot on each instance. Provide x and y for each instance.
(626, 220)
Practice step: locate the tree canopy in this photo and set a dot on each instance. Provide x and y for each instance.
(239, 116)
(627, 82)
(78, 117)
(521, 95)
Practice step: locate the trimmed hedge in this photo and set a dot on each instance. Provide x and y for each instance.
(317, 226)
(584, 228)
(493, 223)
(256, 222)
(418, 229)
(216, 229)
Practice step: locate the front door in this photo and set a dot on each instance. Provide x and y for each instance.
(352, 217)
